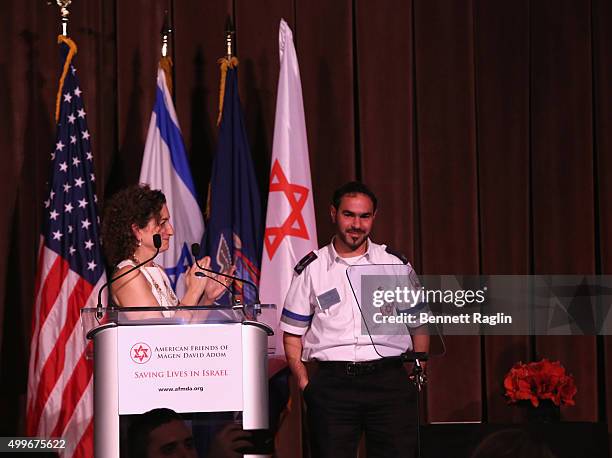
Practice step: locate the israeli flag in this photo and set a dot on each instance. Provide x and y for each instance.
(165, 167)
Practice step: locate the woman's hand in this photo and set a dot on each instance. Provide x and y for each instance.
(196, 284)
(214, 289)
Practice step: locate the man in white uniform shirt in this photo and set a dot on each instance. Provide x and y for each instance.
(354, 387)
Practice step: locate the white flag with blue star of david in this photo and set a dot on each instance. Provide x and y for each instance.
(165, 167)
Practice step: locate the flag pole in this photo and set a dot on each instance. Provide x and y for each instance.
(228, 61)
(63, 38)
(166, 61)
(230, 31)
(165, 34)
(64, 4)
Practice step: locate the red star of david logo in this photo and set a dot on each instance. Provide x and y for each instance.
(294, 225)
(140, 353)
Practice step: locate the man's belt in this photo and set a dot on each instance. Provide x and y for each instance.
(360, 367)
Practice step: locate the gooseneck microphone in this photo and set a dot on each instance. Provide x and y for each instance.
(195, 251)
(157, 242)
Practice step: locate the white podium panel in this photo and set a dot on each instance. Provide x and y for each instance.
(198, 369)
(140, 365)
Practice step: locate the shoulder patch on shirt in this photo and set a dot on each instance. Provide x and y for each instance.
(300, 266)
(397, 254)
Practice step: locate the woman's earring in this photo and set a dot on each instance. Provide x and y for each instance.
(139, 242)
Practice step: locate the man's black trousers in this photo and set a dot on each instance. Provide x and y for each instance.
(344, 400)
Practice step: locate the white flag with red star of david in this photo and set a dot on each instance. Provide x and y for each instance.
(291, 231)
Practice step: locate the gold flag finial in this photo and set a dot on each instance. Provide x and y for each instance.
(63, 4)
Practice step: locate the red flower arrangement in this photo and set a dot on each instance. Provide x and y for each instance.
(540, 381)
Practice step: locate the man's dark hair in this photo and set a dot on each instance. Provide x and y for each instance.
(141, 427)
(351, 188)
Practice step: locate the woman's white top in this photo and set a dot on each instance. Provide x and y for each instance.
(160, 284)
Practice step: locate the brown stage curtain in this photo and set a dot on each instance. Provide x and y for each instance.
(484, 127)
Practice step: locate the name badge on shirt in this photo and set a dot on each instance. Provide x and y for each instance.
(328, 298)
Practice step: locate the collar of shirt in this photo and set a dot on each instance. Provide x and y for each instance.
(333, 255)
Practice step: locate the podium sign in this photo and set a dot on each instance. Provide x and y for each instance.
(198, 369)
(144, 361)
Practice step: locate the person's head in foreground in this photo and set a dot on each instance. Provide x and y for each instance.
(160, 433)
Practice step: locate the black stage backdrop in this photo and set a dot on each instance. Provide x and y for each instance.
(484, 126)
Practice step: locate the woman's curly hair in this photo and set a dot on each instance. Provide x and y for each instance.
(133, 205)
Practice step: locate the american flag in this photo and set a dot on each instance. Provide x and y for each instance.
(70, 272)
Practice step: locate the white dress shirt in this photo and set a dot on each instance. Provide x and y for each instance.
(321, 306)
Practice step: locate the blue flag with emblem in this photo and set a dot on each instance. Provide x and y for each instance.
(233, 233)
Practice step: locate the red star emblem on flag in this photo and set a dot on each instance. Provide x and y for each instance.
(294, 225)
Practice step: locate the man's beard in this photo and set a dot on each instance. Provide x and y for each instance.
(349, 238)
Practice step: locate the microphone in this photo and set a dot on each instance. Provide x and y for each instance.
(414, 356)
(157, 242)
(418, 375)
(195, 251)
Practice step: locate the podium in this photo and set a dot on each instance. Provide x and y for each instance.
(188, 359)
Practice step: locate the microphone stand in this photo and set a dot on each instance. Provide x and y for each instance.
(195, 251)
(419, 380)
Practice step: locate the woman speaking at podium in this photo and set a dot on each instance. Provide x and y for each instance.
(132, 218)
